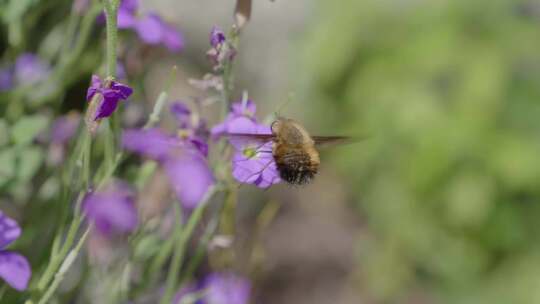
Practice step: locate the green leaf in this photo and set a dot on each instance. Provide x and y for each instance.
(27, 128)
(30, 160)
(147, 247)
(4, 133)
(7, 170)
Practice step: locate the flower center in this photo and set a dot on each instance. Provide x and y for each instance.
(249, 152)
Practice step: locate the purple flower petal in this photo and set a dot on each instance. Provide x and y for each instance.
(112, 210)
(227, 288)
(29, 69)
(15, 269)
(244, 125)
(152, 143)
(150, 29)
(9, 230)
(6, 79)
(247, 108)
(182, 113)
(106, 106)
(95, 85)
(190, 177)
(130, 6)
(172, 39)
(64, 128)
(126, 19)
(217, 37)
(121, 89)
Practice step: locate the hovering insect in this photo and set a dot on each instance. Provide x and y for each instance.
(293, 149)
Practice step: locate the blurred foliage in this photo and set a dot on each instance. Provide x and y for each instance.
(449, 181)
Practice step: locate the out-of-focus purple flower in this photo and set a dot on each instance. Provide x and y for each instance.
(14, 268)
(112, 210)
(182, 157)
(209, 81)
(226, 288)
(29, 69)
(191, 126)
(217, 37)
(245, 109)
(252, 162)
(111, 92)
(221, 51)
(149, 27)
(6, 79)
(190, 176)
(64, 127)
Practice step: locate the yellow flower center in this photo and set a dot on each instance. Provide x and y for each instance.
(250, 152)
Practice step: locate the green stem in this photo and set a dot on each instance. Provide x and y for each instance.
(67, 262)
(111, 12)
(56, 259)
(178, 256)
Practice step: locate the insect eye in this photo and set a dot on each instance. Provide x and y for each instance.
(274, 126)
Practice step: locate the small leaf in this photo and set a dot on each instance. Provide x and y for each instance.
(27, 128)
(29, 161)
(4, 133)
(7, 170)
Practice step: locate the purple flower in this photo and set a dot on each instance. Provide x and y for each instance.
(217, 37)
(14, 268)
(6, 79)
(252, 162)
(111, 92)
(190, 126)
(182, 156)
(64, 127)
(29, 69)
(220, 51)
(226, 288)
(112, 210)
(239, 109)
(150, 27)
(62, 131)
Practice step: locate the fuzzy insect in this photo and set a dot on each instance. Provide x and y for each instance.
(293, 149)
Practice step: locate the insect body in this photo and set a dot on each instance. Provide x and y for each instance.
(293, 149)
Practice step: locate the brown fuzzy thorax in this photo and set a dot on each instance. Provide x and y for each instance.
(296, 165)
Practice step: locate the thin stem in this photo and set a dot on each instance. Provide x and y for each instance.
(58, 258)
(68, 261)
(111, 12)
(172, 277)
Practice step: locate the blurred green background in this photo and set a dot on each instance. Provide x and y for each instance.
(448, 181)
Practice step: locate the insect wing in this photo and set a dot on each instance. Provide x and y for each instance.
(323, 141)
(239, 140)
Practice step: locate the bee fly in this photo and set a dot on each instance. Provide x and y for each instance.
(293, 149)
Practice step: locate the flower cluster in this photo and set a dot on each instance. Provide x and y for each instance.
(182, 156)
(14, 268)
(27, 70)
(221, 49)
(149, 27)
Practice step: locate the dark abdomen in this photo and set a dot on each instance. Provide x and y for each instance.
(296, 166)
